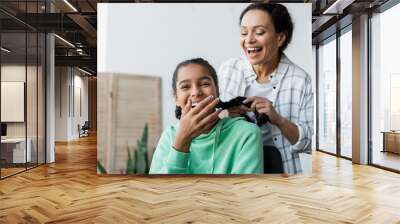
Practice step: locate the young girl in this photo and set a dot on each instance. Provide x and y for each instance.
(202, 143)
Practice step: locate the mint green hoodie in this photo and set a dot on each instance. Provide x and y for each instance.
(233, 146)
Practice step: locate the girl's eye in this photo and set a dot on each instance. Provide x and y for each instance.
(243, 33)
(184, 87)
(205, 84)
(260, 33)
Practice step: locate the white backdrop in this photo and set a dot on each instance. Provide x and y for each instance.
(151, 39)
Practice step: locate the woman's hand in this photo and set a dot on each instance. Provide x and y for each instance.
(288, 128)
(238, 111)
(196, 121)
(263, 105)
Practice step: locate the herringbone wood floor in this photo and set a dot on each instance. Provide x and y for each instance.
(70, 191)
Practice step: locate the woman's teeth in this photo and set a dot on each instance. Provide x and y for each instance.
(253, 49)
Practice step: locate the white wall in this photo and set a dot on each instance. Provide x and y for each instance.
(151, 39)
(14, 72)
(67, 80)
(61, 103)
(80, 82)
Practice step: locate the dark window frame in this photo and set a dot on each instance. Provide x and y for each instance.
(29, 29)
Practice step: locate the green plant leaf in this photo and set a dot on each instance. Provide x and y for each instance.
(130, 164)
(145, 135)
(101, 168)
(139, 145)
(140, 162)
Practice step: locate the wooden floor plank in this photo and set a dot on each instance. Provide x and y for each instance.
(70, 191)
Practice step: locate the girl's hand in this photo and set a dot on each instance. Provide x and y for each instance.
(263, 105)
(196, 121)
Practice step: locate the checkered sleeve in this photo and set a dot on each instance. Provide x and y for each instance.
(306, 119)
(226, 80)
(222, 80)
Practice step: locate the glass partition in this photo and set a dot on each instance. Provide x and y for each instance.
(32, 96)
(14, 154)
(22, 77)
(41, 109)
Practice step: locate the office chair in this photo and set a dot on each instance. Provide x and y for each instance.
(84, 130)
(272, 160)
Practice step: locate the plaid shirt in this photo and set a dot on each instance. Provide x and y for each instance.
(292, 99)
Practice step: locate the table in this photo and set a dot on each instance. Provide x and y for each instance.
(16, 147)
(391, 141)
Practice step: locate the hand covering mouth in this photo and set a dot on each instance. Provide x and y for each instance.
(194, 104)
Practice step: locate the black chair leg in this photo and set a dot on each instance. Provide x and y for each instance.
(272, 160)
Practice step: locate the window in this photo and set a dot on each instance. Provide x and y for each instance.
(385, 89)
(346, 94)
(327, 97)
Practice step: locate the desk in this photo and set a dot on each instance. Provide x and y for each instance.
(391, 141)
(16, 147)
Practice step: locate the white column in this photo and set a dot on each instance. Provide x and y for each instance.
(50, 100)
(360, 90)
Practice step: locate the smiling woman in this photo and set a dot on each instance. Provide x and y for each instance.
(202, 143)
(273, 85)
